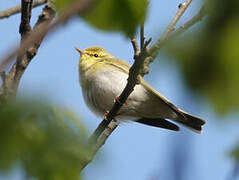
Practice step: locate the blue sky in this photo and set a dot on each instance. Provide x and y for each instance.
(133, 151)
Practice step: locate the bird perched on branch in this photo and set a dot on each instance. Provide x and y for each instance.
(103, 78)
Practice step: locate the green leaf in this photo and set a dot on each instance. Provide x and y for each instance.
(114, 15)
(49, 142)
(61, 5)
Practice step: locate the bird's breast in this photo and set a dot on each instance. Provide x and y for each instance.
(101, 88)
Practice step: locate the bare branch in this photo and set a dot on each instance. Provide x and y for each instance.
(147, 42)
(24, 30)
(12, 79)
(100, 138)
(78, 7)
(142, 38)
(25, 27)
(7, 13)
(153, 50)
(198, 17)
(135, 46)
(10, 85)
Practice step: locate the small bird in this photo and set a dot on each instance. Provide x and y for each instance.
(103, 78)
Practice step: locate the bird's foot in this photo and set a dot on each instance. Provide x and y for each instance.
(105, 117)
(118, 101)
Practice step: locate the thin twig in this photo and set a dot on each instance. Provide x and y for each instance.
(153, 50)
(135, 46)
(17, 9)
(78, 7)
(142, 38)
(198, 17)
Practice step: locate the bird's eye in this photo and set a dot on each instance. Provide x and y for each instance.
(95, 55)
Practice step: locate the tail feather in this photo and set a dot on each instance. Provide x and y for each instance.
(189, 121)
(192, 122)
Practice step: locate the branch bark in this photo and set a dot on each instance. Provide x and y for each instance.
(17, 9)
(24, 30)
(78, 7)
(12, 79)
(153, 50)
(26, 10)
(198, 17)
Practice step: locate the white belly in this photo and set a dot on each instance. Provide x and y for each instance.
(105, 86)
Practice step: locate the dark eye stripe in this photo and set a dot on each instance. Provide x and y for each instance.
(95, 55)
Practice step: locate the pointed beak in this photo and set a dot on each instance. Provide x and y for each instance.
(80, 51)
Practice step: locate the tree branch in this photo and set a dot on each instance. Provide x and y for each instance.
(153, 50)
(7, 13)
(24, 30)
(135, 46)
(25, 27)
(12, 79)
(78, 7)
(198, 17)
(142, 38)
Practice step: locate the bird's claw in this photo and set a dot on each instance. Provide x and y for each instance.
(118, 101)
(105, 115)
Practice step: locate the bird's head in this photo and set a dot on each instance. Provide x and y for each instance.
(93, 54)
(90, 56)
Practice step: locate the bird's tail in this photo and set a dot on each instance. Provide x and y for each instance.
(192, 122)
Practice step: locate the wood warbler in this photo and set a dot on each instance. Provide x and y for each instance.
(103, 78)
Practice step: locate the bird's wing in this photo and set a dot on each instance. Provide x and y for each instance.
(119, 64)
(124, 67)
(165, 109)
(163, 99)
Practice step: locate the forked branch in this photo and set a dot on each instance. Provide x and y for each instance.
(12, 78)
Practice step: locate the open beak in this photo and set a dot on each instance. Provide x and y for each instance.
(80, 51)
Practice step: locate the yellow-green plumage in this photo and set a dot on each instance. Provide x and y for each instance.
(103, 77)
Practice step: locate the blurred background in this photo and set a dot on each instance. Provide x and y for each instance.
(198, 72)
